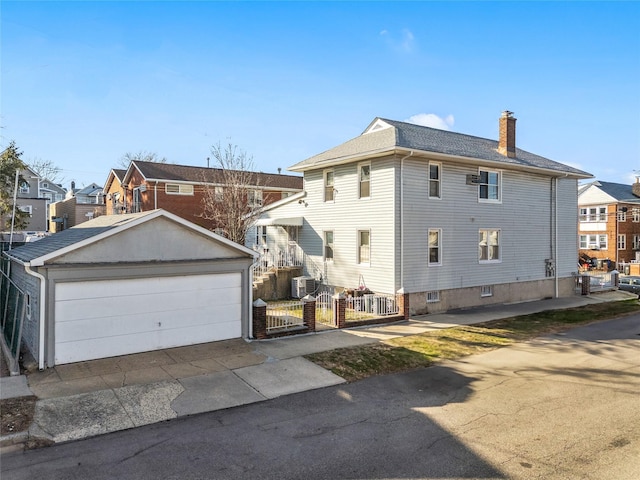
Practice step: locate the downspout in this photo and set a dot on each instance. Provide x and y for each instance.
(402, 218)
(42, 304)
(555, 242)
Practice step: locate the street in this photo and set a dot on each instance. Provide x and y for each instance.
(562, 406)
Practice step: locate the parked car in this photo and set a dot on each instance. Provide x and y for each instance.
(630, 284)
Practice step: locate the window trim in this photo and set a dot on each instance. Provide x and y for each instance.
(26, 209)
(597, 243)
(326, 186)
(325, 245)
(183, 188)
(27, 305)
(255, 197)
(438, 247)
(437, 180)
(360, 181)
(433, 296)
(486, 291)
(498, 186)
(360, 245)
(489, 231)
(599, 214)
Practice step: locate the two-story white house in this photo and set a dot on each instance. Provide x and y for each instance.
(453, 220)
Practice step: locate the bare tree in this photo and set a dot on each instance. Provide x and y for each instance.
(142, 156)
(232, 198)
(10, 162)
(46, 169)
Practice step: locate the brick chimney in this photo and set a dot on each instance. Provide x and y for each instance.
(635, 188)
(507, 139)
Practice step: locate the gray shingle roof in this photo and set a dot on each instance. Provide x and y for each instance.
(620, 191)
(71, 236)
(416, 137)
(187, 173)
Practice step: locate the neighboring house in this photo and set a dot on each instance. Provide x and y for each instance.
(90, 292)
(92, 194)
(180, 189)
(114, 192)
(52, 192)
(452, 220)
(609, 221)
(30, 199)
(69, 213)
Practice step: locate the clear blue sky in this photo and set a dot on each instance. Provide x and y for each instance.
(85, 82)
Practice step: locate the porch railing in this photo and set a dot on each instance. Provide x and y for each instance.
(274, 258)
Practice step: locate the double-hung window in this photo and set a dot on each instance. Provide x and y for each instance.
(636, 215)
(489, 246)
(364, 176)
(255, 198)
(435, 250)
(489, 186)
(329, 189)
(328, 246)
(622, 242)
(636, 242)
(364, 246)
(434, 180)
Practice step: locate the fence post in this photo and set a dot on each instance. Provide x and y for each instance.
(339, 310)
(403, 303)
(259, 319)
(586, 285)
(309, 312)
(615, 278)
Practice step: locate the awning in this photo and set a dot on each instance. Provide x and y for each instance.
(291, 221)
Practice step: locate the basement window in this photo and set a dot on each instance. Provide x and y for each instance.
(486, 291)
(433, 297)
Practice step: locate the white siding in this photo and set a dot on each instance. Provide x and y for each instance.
(523, 218)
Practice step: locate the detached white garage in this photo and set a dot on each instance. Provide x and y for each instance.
(133, 283)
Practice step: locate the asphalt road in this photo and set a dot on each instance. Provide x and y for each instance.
(563, 406)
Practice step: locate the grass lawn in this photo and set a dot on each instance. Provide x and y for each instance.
(415, 351)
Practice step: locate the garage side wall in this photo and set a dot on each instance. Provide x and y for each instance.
(30, 285)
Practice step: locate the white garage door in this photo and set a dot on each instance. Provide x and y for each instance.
(107, 318)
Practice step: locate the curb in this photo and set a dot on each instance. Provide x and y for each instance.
(13, 442)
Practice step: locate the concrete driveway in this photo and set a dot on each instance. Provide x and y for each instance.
(559, 407)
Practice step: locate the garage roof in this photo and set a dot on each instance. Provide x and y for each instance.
(37, 253)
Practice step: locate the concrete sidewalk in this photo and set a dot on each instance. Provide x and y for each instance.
(90, 398)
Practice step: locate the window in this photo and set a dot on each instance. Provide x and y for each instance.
(489, 246)
(27, 305)
(137, 201)
(636, 242)
(26, 209)
(261, 236)
(593, 214)
(45, 185)
(434, 180)
(218, 194)
(486, 291)
(433, 297)
(622, 215)
(328, 246)
(328, 186)
(364, 174)
(255, 198)
(593, 242)
(178, 189)
(364, 246)
(636, 215)
(434, 247)
(24, 187)
(622, 242)
(489, 187)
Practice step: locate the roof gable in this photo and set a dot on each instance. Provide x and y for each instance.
(607, 192)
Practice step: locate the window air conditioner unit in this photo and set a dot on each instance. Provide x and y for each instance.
(302, 286)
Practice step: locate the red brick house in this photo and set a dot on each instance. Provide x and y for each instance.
(180, 189)
(609, 222)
